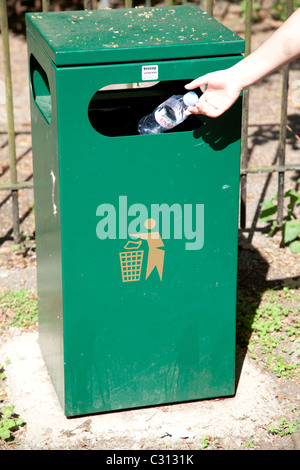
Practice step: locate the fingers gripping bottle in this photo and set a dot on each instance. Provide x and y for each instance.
(168, 114)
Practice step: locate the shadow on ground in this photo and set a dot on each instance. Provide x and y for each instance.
(252, 284)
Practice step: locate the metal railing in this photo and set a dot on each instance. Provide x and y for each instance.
(281, 167)
(278, 166)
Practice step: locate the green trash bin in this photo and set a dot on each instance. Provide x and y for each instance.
(136, 234)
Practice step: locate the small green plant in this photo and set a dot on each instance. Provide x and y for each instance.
(256, 7)
(9, 422)
(279, 8)
(267, 324)
(2, 373)
(290, 228)
(210, 442)
(205, 442)
(249, 444)
(25, 246)
(280, 367)
(284, 427)
(21, 305)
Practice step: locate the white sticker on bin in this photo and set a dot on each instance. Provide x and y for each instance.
(149, 72)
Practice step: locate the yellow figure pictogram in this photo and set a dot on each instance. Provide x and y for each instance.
(156, 255)
(131, 260)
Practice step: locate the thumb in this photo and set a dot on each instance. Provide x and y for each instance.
(197, 82)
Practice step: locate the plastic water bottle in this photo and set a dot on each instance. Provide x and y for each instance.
(168, 114)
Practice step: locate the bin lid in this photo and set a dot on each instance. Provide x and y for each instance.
(131, 34)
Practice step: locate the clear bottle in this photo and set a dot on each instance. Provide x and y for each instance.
(168, 114)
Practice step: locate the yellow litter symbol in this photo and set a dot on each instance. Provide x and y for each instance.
(131, 261)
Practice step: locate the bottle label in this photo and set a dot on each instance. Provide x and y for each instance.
(163, 119)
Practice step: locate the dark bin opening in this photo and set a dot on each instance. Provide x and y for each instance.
(40, 89)
(117, 112)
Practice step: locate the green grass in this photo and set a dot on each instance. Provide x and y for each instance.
(17, 308)
(10, 422)
(284, 428)
(268, 324)
(20, 306)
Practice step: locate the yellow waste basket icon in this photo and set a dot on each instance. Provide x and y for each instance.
(131, 261)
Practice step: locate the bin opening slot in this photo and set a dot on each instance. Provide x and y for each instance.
(116, 112)
(40, 89)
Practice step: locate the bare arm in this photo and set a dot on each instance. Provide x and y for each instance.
(225, 86)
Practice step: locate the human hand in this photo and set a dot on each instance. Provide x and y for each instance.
(222, 90)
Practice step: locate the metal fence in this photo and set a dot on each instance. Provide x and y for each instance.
(279, 166)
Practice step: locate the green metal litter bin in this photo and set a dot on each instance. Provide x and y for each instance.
(136, 234)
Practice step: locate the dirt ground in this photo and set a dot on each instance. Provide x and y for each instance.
(230, 423)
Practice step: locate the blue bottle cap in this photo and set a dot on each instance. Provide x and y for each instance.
(190, 98)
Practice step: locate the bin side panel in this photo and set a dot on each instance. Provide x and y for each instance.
(166, 331)
(47, 220)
